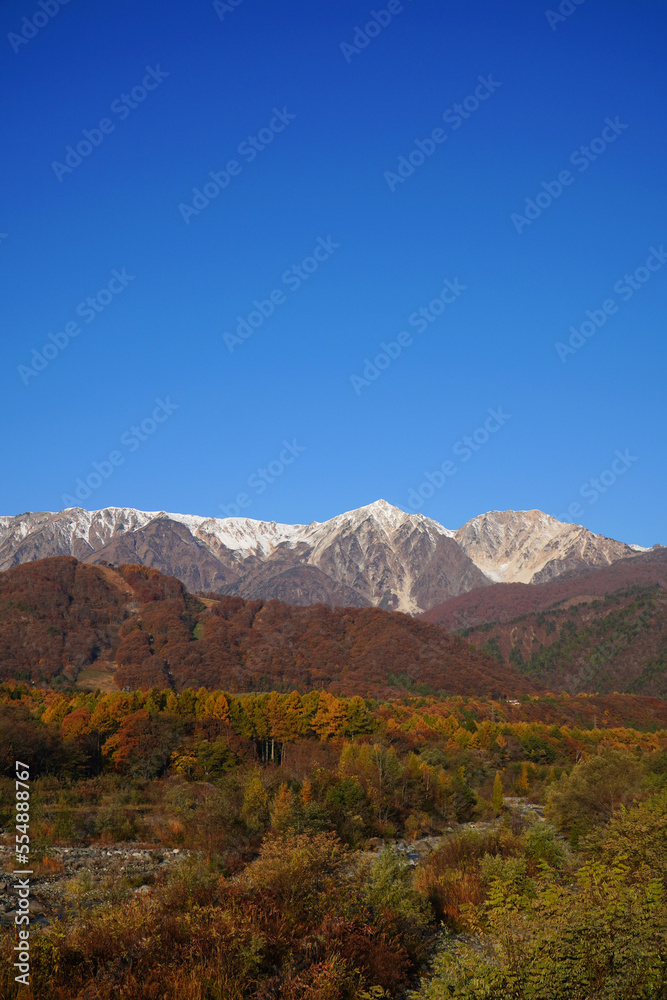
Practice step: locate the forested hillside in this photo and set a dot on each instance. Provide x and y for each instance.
(614, 643)
(503, 602)
(59, 617)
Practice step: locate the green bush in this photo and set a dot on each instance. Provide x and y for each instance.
(603, 939)
(594, 790)
(543, 845)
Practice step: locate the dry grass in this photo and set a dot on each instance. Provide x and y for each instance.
(48, 866)
(98, 677)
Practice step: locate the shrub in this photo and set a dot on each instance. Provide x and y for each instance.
(390, 888)
(452, 877)
(605, 938)
(594, 790)
(543, 845)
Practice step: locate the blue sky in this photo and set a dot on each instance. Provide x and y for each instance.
(305, 121)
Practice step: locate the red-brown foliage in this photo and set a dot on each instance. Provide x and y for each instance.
(163, 637)
(504, 601)
(56, 614)
(257, 645)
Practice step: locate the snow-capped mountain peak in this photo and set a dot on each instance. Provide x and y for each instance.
(376, 554)
(529, 546)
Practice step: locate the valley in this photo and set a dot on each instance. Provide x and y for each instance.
(354, 759)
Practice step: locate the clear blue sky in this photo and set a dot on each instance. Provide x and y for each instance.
(338, 121)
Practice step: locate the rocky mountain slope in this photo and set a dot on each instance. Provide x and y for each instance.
(376, 555)
(528, 546)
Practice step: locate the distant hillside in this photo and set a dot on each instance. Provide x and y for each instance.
(504, 601)
(604, 630)
(614, 643)
(62, 618)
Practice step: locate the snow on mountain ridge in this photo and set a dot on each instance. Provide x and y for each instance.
(533, 547)
(379, 552)
(238, 533)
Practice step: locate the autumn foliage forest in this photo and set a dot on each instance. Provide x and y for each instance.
(283, 803)
(58, 617)
(363, 805)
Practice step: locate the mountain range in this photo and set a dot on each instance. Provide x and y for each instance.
(377, 555)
